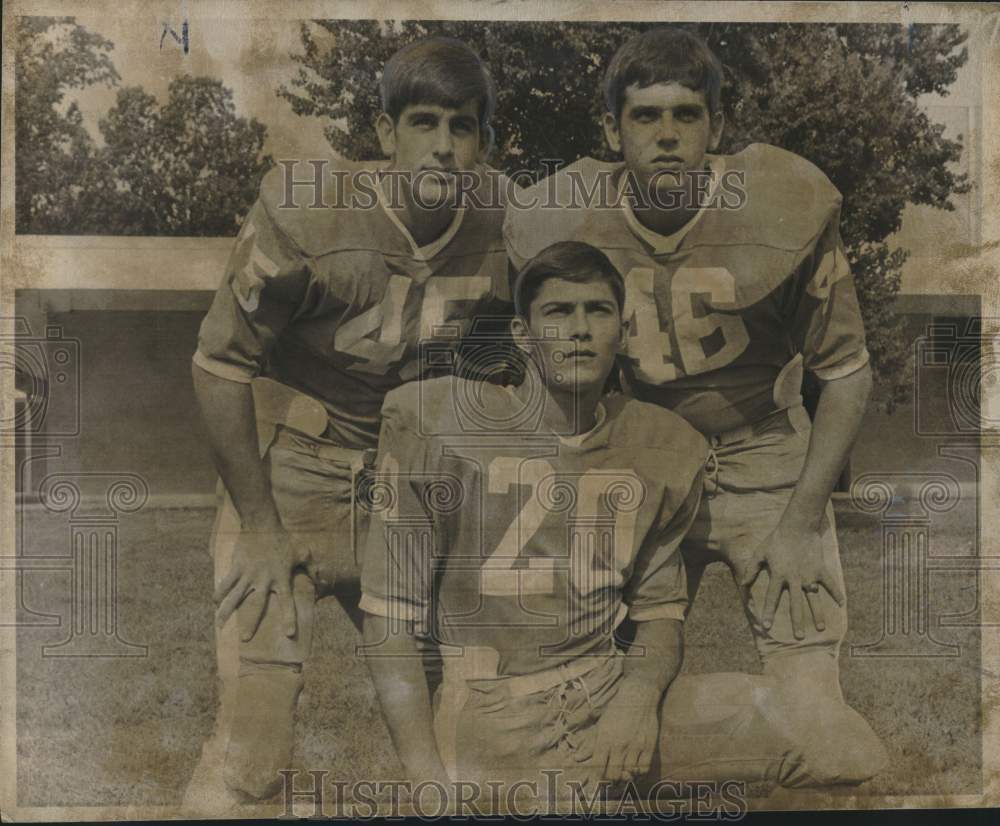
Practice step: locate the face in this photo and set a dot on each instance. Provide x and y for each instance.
(432, 143)
(577, 330)
(664, 128)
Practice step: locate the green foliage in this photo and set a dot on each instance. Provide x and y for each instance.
(53, 56)
(841, 95)
(188, 167)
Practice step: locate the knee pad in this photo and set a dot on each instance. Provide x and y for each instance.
(262, 735)
(830, 744)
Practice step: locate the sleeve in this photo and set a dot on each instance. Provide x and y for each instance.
(513, 219)
(503, 287)
(494, 314)
(266, 282)
(397, 569)
(657, 588)
(825, 320)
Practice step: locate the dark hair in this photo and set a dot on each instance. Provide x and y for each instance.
(663, 55)
(440, 71)
(572, 261)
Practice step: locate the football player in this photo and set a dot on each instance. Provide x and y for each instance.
(517, 527)
(324, 307)
(736, 282)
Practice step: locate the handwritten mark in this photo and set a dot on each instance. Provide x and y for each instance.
(182, 39)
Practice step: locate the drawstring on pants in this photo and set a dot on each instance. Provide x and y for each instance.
(711, 473)
(562, 692)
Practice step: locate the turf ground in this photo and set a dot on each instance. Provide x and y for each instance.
(128, 730)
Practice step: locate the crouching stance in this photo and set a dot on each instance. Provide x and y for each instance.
(517, 527)
(327, 310)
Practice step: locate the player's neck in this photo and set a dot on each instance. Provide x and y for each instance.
(566, 413)
(424, 225)
(665, 215)
(665, 221)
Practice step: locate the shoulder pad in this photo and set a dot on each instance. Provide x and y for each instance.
(313, 229)
(650, 427)
(556, 208)
(788, 199)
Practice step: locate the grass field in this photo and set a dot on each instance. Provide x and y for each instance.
(127, 731)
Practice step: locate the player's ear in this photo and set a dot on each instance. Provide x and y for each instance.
(622, 335)
(519, 332)
(486, 138)
(716, 123)
(612, 134)
(386, 131)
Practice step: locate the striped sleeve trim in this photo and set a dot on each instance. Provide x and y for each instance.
(843, 368)
(666, 610)
(389, 608)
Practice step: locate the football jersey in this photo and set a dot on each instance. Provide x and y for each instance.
(339, 302)
(517, 551)
(724, 314)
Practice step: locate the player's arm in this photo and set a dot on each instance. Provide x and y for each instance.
(266, 282)
(397, 592)
(842, 404)
(401, 684)
(656, 594)
(841, 408)
(629, 728)
(264, 556)
(827, 329)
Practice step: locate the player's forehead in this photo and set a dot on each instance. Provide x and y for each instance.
(467, 109)
(561, 290)
(666, 95)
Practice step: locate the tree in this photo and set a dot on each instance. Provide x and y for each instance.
(190, 167)
(54, 150)
(841, 95)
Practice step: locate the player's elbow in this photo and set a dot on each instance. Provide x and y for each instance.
(856, 385)
(865, 381)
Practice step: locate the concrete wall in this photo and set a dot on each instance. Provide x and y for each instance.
(132, 397)
(136, 407)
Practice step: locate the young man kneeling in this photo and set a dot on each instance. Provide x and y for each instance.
(517, 527)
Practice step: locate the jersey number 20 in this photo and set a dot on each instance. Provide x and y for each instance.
(598, 547)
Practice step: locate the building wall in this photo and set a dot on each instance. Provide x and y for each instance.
(132, 398)
(931, 432)
(137, 414)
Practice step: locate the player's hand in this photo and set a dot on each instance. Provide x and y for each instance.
(793, 557)
(263, 564)
(627, 733)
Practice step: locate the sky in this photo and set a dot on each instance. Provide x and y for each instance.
(251, 57)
